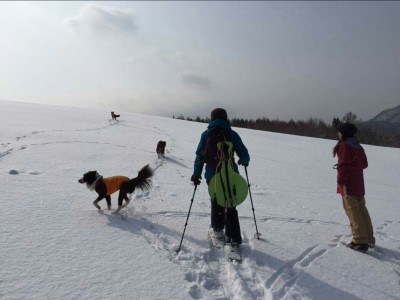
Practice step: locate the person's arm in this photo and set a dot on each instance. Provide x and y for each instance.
(346, 157)
(365, 161)
(240, 149)
(199, 160)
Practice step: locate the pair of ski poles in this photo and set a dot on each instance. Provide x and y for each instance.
(257, 235)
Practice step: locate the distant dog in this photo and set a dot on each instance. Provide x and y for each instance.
(107, 186)
(161, 148)
(114, 116)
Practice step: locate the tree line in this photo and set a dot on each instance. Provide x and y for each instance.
(369, 133)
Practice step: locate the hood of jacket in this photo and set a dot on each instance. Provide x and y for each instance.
(221, 123)
(353, 143)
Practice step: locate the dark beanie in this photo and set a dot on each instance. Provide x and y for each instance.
(347, 129)
(219, 113)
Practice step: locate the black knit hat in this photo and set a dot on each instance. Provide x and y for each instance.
(219, 113)
(347, 129)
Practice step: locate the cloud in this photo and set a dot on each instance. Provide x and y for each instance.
(197, 80)
(101, 20)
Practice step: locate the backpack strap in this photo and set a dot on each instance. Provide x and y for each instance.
(225, 165)
(224, 153)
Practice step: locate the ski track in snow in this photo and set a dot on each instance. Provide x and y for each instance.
(209, 274)
(23, 147)
(284, 280)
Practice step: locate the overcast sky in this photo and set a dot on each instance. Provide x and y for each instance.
(256, 59)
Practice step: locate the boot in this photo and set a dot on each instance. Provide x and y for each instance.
(358, 247)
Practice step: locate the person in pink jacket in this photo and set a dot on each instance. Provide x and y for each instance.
(352, 160)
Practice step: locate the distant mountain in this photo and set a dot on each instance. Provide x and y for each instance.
(388, 120)
(391, 115)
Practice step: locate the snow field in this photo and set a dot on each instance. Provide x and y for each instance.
(55, 244)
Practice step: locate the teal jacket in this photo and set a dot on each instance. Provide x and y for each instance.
(238, 147)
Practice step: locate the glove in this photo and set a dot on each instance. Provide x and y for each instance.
(196, 179)
(242, 164)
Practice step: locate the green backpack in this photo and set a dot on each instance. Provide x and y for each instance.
(227, 187)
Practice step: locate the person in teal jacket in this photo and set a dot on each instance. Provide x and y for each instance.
(221, 217)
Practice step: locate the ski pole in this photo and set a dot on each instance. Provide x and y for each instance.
(187, 219)
(252, 207)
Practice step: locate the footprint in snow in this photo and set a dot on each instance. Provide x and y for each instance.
(16, 172)
(195, 292)
(335, 241)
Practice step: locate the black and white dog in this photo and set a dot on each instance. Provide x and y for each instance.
(107, 186)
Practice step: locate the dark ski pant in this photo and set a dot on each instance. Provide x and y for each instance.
(228, 218)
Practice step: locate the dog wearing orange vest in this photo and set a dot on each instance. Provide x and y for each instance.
(107, 186)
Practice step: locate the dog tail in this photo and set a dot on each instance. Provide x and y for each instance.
(142, 181)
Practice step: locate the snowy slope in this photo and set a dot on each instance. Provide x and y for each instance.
(56, 245)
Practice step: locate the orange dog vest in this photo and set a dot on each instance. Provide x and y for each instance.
(114, 183)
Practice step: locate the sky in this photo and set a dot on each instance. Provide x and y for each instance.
(279, 60)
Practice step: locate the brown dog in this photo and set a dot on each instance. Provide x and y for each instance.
(161, 148)
(107, 186)
(114, 116)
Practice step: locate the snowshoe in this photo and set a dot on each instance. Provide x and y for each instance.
(217, 238)
(234, 253)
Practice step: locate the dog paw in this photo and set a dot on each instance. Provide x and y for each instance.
(117, 210)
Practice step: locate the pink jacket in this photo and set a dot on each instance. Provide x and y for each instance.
(352, 162)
